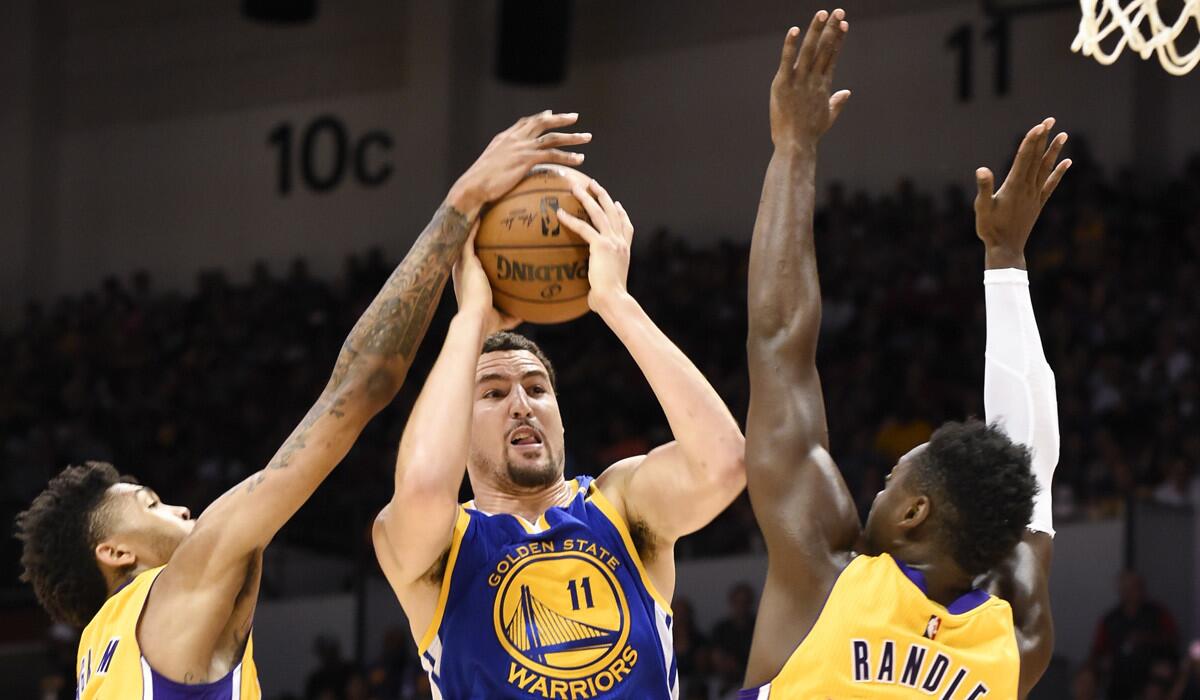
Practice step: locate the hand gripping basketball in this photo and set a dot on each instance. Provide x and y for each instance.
(609, 236)
(510, 156)
(474, 292)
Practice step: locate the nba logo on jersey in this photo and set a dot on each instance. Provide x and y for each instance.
(931, 629)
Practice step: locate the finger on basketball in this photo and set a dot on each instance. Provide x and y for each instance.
(1055, 178)
(551, 120)
(579, 226)
(593, 209)
(1051, 158)
(606, 201)
(556, 139)
(791, 49)
(808, 49)
(626, 224)
(554, 155)
(830, 36)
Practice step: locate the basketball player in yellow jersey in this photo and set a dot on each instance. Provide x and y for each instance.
(168, 602)
(892, 609)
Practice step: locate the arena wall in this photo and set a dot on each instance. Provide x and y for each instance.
(141, 145)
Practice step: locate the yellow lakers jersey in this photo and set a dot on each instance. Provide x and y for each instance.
(111, 666)
(879, 636)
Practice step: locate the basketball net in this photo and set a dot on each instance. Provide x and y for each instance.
(1142, 29)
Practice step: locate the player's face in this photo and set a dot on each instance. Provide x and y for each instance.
(141, 523)
(889, 506)
(517, 434)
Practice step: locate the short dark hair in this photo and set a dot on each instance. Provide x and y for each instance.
(507, 340)
(59, 532)
(983, 488)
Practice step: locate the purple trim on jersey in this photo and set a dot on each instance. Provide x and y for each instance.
(167, 689)
(749, 693)
(964, 603)
(123, 585)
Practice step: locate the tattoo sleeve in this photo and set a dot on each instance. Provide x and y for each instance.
(389, 330)
(381, 346)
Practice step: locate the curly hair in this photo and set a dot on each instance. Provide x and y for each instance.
(983, 488)
(507, 340)
(59, 532)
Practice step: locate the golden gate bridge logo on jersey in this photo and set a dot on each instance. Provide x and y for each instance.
(564, 620)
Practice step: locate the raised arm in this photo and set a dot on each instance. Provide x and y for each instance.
(679, 487)
(799, 498)
(802, 505)
(414, 529)
(1018, 386)
(216, 567)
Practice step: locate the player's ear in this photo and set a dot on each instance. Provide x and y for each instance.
(916, 512)
(115, 555)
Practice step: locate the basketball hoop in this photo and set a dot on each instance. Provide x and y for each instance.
(1141, 28)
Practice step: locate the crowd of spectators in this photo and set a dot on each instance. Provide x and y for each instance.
(1137, 652)
(192, 391)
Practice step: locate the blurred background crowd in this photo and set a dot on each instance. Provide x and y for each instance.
(197, 389)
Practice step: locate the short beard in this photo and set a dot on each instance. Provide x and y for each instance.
(519, 477)
(535, 477)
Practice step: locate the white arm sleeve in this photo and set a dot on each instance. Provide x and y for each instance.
(1018, 384)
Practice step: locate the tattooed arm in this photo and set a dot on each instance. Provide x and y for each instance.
(198, 617)
(412, 533)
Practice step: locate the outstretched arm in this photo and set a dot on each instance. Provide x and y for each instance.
(1018, 382)
(703, 467)
(413, 531)
(800, 500)
(217, 565)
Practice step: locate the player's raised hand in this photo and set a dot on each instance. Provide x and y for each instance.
(802, 108)
(510, 156)
(474, 292)
(609, 237)
(1004, 220)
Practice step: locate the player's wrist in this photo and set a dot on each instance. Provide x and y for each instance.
(464, 198)
(611, 303)
(473, 316)
(804, 147)
(1000, 257)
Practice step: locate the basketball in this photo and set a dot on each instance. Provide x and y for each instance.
(537, 268)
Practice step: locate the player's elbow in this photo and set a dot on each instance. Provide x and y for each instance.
(793, 343)
(379, 536)
(366, 388)
(724, 468)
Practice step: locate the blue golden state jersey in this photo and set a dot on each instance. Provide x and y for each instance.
(879, 636)
(561, 608)
(111, 665)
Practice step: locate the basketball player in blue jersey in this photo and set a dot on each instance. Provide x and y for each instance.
(168, 602)
(543, 587)
(944, 592)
